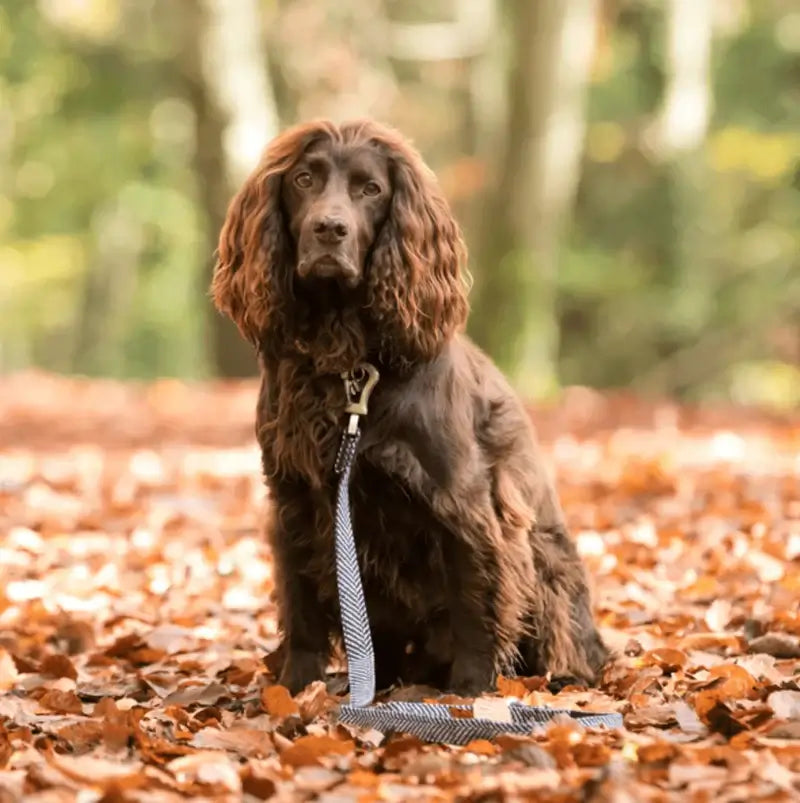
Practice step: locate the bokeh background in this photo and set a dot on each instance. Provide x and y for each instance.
(627, 173)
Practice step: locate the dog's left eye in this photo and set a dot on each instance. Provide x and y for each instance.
(372, 188)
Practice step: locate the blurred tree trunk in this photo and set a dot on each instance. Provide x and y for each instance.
(106, 298)
(230, 91)
(514, 301)
(679, 132)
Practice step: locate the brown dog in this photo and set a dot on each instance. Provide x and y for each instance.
(340, 248)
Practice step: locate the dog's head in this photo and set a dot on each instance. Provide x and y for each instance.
(349, 214)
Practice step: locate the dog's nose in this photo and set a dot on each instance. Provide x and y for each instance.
(330, 229)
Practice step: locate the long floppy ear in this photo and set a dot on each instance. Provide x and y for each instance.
(416, 279)
(251, 251)
(252, 277)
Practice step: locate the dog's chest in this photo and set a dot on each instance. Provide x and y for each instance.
(299, 425)
(399, 541)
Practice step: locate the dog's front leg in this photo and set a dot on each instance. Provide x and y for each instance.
(476, 581)
(303, 618)
(473, 577)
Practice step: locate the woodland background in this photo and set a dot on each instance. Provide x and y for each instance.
(627, 173)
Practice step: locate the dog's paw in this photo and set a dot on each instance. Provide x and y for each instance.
(557, 684)
(301, 668)
(470, 677)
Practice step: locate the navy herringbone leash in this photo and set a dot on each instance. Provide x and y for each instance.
(431, 722)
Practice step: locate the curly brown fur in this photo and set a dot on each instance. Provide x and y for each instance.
(341, 248)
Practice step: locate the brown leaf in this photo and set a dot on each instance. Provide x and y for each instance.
(58, 666)
(712, 642)
(277, 702)
(668, 659)
(6, 748)
(93, 770)
(8, 671)
(369, 780)
(461, 713)
(511, 687)
(314, 701)
(62, 702)
(256, 784)
(656, 753)
(107, 708)
(482, 747)
(241, 672)
(588, 754)
(309, 750)
(245, 741)
(189, 695)
(735, 681)
(658, 715)
(82, 734)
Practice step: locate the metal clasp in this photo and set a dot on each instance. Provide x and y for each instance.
(358, 385)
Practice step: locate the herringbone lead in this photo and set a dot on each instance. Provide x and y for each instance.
(428, 721)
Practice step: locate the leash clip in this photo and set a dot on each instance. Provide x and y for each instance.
(358, 386)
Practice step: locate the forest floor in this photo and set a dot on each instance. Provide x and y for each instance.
(136, 621)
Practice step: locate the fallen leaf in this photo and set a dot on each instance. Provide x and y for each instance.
(309, 750)
(668, 659)
(687, 719)
(277, 702)
(511, 687)
(257, 784)
(93, 770)
(6, 749)
(81, 735)
(718, 614)
(139, 594)
(8, 671)
(58, 666)
(719, 642)
(63, 702)
(481, 747)
(785, 704)
(189, 695)
(762, 667)
(686, 775)
(314, 701)
(657, 715)
(208, 768)
(245, 741)
(315, 779)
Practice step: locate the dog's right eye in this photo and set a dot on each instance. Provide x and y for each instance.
(303, 180)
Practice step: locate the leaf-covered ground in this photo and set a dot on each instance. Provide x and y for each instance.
(135, 612)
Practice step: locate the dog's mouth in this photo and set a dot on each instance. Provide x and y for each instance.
(327, 288)
(326, 268)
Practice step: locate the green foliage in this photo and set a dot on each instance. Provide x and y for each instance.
(677, 276)
(97, 154)
(675, 273)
